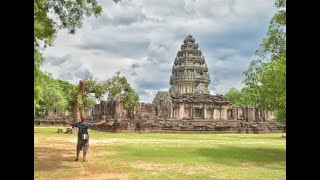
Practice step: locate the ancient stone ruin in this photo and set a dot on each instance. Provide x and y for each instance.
(188, 106)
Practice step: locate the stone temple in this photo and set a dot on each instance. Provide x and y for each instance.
(189, 94)
(188, 106)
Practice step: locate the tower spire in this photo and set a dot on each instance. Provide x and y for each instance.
(190, 73)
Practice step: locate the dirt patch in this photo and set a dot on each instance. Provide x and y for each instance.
(49, 158)
(196, 169)
(102, 176)
(179, 167)
(148, 166)
(99, 174)
(247, 166)
(96, 153)
(54, 157)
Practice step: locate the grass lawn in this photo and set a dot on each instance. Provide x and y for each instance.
(160, 156)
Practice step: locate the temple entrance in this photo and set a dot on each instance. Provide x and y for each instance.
(230, 114)
(186, 112)
(175, 112)
(198, 113)
(209, 114)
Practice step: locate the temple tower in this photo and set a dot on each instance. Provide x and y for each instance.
(189, 71)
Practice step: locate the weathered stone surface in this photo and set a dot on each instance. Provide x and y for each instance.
(189, 71)
(188, 106)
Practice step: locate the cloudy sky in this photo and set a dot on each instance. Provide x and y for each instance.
(141, 38)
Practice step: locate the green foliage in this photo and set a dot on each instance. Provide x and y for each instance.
(38, 77)
(266, 77)
(92, 90)
(88, 101)
(97, 88)
(49, 17)
(66, 14)
(66, 89)
(53, 96)
(238, 98)
(119, 86)
(52, 93)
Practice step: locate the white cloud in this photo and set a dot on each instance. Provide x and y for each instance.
(141, 39)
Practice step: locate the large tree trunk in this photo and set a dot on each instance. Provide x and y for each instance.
(76, 112)
(77, 109)
(81, 94)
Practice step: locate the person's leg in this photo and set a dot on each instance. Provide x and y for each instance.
(78, 152)
(85, 150)
(84, 155)
(79, 146)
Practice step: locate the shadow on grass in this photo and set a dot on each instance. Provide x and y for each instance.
(257, 137)
(271, 158)
(51, 158)
(236, 156)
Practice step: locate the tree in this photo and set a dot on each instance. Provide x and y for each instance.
(64, 14)
(51, 93)
(39, 78)
(66, 89)
(266, 77)
(238, 98)
(120, 86)
(89, 89)
(49, 17)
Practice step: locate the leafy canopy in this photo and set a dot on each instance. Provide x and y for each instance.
(238, 98)
(265, 80)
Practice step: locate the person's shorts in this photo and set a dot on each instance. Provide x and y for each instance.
(83, 144)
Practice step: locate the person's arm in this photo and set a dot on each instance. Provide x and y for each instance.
(68, 123)
(99, 123)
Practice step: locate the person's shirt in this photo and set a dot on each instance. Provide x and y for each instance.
(83, 127)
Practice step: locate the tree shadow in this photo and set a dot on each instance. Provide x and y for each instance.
(51, 158)
(238, 156)
(258, 137)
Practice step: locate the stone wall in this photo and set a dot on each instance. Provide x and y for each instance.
(189, 113)
(195, 126)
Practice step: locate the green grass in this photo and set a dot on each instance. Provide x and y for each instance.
(161, 156)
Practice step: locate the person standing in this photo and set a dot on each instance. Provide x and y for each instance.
(83, 135)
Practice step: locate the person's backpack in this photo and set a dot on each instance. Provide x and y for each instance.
(84, 136)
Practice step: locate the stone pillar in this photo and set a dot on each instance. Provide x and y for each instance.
(263, 115)
(251, 114)
(172, 113)
(216, 113)
(204, 113)
(257, 114)
(191, 112)
(224, 114)
(181, 111)
(234, 113)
